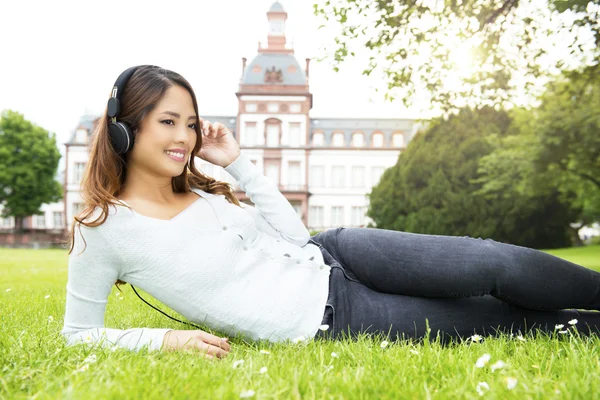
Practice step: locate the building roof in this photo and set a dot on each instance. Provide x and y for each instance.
(282, 62)
(276, 7)
(85, 122)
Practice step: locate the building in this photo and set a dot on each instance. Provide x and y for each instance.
(324, 166)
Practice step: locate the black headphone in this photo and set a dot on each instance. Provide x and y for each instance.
(120, 133)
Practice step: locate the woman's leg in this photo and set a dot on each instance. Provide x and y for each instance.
(358, 310)
(413, 264)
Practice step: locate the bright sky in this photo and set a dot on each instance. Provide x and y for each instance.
(61, 58)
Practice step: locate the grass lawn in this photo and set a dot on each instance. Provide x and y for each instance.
(34, 361)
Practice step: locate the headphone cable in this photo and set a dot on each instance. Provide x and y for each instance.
(160, 311)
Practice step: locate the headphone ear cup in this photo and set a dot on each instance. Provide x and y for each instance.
(121, 137)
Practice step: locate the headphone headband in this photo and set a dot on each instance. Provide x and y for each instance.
(114, 103)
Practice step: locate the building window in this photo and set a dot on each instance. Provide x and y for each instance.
(251, 107)
(77, 208)
(338, 175)
(358, 215)
(337, 216)
(318, 139)
(250, 134)
(6, 222)
(272, 135)
(40, 221)
(57, 217)
(78, 172)
(272, 172)
(295, 108)
(317, 176)
(294, 138)
(378, 140)
(376, 173)
(338, 139)
(398, 140)
(358, 139)
(273, 107)
(358, 177)
(315, 217)
(293, 177)
(81, 136)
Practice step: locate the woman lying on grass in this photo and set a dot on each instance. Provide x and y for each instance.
(184, 238)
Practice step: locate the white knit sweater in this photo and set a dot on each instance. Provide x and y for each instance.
(249, 271)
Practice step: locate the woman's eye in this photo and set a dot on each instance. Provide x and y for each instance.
(193, 126)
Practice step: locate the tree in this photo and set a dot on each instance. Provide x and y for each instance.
(433, 188)
(28, 163)
(554, 146)
(464, 53)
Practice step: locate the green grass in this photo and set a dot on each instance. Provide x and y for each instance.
(35, 363)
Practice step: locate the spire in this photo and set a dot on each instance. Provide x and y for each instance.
(276, 40)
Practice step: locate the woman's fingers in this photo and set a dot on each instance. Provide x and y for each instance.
(209, 349)
(215, 340)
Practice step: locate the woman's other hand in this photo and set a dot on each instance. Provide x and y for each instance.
(210, 345)
(219, 147)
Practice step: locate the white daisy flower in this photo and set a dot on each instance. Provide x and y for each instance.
(90, 359)
(50, 318)
(88, 339)
(324, 327)
(328, 368)
(8, 290)
(498, 365)
(563, 332)
(299, 339)
(559, 326)
(475, 338)
(247, 394)
(237, 363)
(521, 338)
(334, 354)
(384, 344)
(481, 386)
(83, 368)
(265, 352)
(47, 296)
(415, 352)
(573, 321)
(481, 361)
(511, 382)
(263, 370)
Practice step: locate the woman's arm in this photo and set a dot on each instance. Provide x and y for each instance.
(271, 207)
(91, 276)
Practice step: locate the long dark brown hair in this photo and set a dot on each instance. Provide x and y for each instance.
(104, 176)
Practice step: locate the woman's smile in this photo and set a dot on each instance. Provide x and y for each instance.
(176, 155)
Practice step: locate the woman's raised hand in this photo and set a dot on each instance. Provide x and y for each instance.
(210, 345)
(219, 147)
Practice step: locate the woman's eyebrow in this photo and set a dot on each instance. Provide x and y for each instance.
(173, 113)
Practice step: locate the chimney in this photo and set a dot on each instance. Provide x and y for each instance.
(307, 63)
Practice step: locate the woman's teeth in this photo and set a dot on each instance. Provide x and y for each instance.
(171, 153)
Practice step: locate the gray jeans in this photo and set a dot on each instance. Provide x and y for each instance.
(394, 283)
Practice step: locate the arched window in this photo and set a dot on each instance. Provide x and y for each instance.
(377, 139)
(358, 139)
(272, 132)
(318, 139)
(398, 139)
(338, 139)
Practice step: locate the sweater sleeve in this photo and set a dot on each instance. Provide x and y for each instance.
(272, 211)
(91, 274)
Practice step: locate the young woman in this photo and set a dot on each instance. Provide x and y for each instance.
(153, 220)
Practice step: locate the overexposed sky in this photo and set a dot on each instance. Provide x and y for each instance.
(61, 58)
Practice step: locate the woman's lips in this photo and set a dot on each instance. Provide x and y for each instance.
(180, 159)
